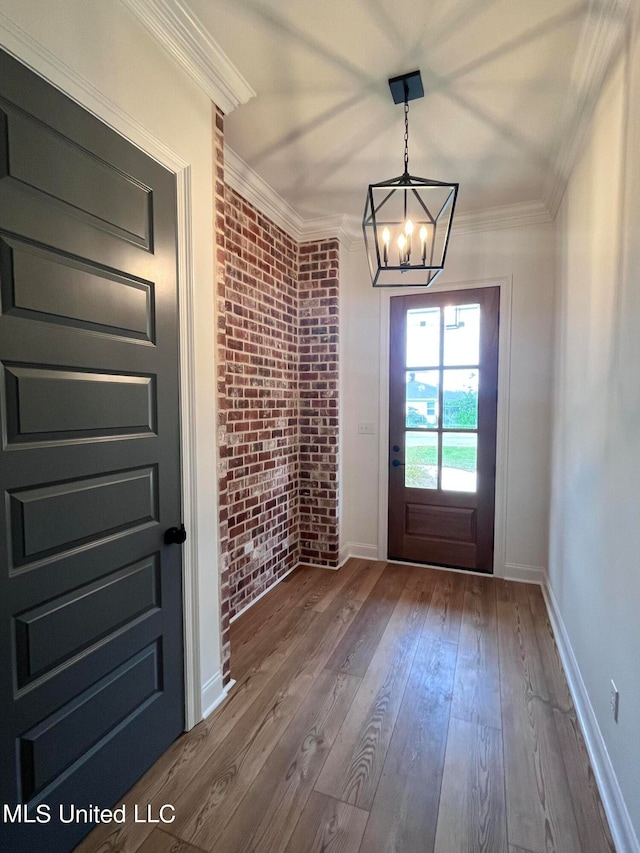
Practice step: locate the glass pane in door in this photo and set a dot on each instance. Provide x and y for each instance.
(461, 335)
(423, 337)
(422, 396)
(421, 460)
(459, 461)
(460, 399)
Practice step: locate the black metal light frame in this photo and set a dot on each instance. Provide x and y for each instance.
(396, 202)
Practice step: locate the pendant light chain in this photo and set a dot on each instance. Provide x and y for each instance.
(406, 137)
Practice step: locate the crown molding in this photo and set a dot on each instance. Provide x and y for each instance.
(505, 216)
(248, 183)
(322, 227)
(348, 229)
(188, 41)
(490, 219)
(32, 53)
(604, 28)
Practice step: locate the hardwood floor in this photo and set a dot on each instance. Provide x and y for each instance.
(381, 709)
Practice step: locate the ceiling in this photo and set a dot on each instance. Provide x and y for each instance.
(506, 82)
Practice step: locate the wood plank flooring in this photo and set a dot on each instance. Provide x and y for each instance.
(381, 709)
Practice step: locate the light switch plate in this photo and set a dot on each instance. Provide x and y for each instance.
(366, 428)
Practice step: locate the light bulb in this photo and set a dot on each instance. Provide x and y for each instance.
(402, 250)
(408, 228)
(423, 233)
(386, 237)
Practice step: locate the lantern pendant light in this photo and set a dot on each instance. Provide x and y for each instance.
(407, 220)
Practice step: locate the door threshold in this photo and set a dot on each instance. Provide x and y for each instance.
(440, 568)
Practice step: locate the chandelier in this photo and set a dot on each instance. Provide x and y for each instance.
(407, 220)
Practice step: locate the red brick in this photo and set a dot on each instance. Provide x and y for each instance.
(277, 324)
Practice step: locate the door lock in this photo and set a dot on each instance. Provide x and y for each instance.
(175, 535)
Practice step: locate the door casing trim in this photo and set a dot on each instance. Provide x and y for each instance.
(45, 64)
(505, 283)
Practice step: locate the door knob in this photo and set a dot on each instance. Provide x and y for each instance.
(175, 535)
(397, 464)
(396, 448)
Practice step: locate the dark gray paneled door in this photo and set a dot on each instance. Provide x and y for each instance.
(90, 597)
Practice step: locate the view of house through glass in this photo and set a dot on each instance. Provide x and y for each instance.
(442, 377)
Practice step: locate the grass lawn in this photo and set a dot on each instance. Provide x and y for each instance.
(462, 458)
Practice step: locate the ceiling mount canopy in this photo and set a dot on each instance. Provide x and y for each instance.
(407, 220)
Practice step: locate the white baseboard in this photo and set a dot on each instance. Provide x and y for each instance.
(213, 693)
(512, 571)
(344, 555)
(527, 574)
(363, 552)
(624, 835)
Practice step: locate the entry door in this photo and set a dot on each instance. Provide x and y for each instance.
(442, 427)
(90, 597)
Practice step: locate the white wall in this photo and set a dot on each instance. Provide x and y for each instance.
(595, 512)
(525, 255)
(84, 43)
(359, 402)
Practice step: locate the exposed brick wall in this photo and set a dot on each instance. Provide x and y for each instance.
(277, 391)
(261, 387)
(318, 358)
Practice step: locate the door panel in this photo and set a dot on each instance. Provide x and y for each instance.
(96, 610)
(50, 405)
(51, 287)
(46, 160)
(442, 427)
(52, 519)
(90, 597)
(65, 737)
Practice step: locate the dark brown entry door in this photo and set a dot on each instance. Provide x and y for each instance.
(442, 427)
(91, 688)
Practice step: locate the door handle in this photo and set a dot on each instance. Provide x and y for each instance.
(175, 535)
(397, 464)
